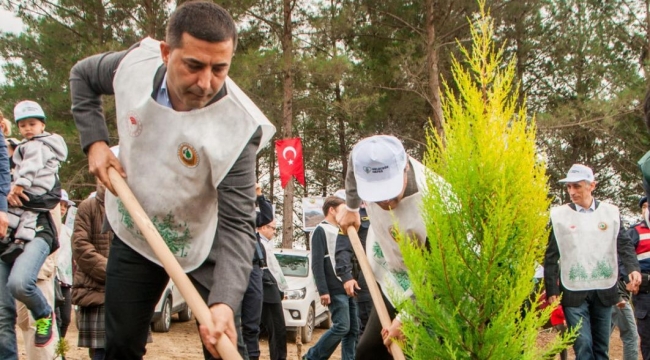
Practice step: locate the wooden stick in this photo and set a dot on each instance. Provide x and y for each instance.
(375, 293)
(226, 349)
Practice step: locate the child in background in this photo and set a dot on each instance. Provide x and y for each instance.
(35, 177)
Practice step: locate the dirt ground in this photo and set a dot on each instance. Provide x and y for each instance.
(182, 342)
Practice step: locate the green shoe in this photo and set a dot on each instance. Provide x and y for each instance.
(43, 335)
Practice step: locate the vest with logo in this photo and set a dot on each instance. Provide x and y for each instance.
(174, 161)
(587, 245)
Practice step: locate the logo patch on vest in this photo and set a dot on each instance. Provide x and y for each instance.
(188, 155)
(602, 226)
(133, 124)
(393, 233)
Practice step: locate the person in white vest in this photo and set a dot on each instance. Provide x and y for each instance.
(188, 140)
(343, 308)
(586, 243)
(391, 183)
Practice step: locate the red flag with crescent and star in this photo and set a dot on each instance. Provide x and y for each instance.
(290, 160)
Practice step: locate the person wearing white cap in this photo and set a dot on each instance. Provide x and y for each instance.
(174, 99)
(34, 192)
(391, 183)
(585, 246)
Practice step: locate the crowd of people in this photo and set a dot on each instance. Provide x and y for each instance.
(174, 98)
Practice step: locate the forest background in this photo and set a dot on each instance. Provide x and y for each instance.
(333, 72)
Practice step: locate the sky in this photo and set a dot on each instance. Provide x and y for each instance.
(8, 23)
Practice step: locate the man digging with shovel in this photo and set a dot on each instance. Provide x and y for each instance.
(188, 142)
(391, 183)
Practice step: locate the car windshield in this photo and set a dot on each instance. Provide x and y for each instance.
(293, 265)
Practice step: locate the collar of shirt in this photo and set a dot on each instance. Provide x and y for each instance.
(591, 208)
(264, 239)
(162, 97)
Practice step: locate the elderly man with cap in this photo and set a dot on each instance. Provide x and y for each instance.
(391, 183)
(640, 236)
(585, 245)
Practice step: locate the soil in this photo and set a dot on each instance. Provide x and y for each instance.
(182, 342)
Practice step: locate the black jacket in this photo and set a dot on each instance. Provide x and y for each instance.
(347, 265)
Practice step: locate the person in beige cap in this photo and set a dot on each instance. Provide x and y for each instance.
(585, 246)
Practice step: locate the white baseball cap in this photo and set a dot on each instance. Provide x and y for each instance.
(64, 197)
(28, 109)
(379, 162)
(577, 173)
(340, 194)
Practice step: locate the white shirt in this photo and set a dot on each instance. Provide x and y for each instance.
(591, 208)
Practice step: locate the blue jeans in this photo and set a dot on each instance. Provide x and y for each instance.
(18, 282)
(592, 342)
(624, 319)
(344, 330)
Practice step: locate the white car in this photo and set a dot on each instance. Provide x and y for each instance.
(171, 302)
(302, 308)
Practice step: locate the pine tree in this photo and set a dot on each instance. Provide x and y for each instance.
(472, 280)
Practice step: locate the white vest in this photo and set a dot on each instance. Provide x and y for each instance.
(382, 249)
(587, 244)
(174, 161)
(331, 233)
(274, 266)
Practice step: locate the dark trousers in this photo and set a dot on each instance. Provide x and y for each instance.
(364, 308)
(273, 320)
(241, 347)
(371, 345)
(251, 313)
(133, 287)
(643, 327)
(63, 312)
(641, 303)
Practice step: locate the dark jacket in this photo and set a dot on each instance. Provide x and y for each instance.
(347, 265)
(608, 297)
(321, 265)
(90, 252)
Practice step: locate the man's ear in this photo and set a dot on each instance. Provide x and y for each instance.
(165, 50)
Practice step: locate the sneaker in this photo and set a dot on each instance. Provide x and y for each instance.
(43, 335)
(13, 251)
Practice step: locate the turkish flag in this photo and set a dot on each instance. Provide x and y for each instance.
(290, 160)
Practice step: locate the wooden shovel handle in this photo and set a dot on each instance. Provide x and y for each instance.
(201, 311)
(375, 293)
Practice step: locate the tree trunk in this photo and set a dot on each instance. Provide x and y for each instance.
(645, 59)
(434, 72)
(287, 117)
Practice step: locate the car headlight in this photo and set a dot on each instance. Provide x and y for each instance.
(295, 294)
